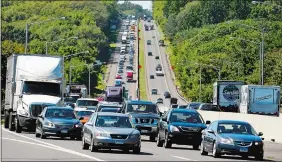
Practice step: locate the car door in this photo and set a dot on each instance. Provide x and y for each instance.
(210, 136)
(87, 129)
(163, 125)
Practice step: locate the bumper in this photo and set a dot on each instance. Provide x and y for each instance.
(109, 143)
(59, 132)
(181, 138)
(148, 129)
(27, 122)
(238, 150)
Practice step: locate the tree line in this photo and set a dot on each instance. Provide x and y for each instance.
(223, 38)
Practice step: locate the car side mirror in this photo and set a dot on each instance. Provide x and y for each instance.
(260, 134)
(208, 122)
(72, 105)
(211, 131)
(81, 118)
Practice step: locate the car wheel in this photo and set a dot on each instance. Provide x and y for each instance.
(42, 135)
(152, 138)
(85, 146)
(259, 157)
(92, 146)
(137, 150)
(18, 128)
(11, 122)
(6, 121)
(202, 148)
(159, 141)
(78, 138)
(215, 154)
(167, 143)
(125, 150)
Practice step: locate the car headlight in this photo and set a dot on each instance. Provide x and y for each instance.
(258, 143)
(23, 112)
(173, 128)
(49, 124)
(102, 135)
(226, 141)
(135, 136)
(78, 125)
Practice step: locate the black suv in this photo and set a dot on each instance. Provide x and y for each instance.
(182, 127)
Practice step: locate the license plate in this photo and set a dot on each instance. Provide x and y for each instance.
(64, 131)
(119, 142)
(144, 131)
(243, 149)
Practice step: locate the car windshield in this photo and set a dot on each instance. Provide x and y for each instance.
(210, 107)
(84, 113)
(86, 103)
(60, 113)
(109, 110)
(43, 88)
(113, 121)
(139, 108)
(71, 99)
(187, 117)
(194, 106)
(236, 128)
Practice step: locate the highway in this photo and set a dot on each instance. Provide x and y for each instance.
(162, 83)
(28, 148)
(113, 67)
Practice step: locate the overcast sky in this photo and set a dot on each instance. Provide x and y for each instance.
(146, 4)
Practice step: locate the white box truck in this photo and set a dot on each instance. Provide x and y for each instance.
(123, 39)
(259, 99)
(226, 94)
(32, 83)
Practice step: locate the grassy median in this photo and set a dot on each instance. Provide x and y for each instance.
(142, 76)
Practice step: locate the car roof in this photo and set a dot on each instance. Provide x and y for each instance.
(184, 110)
(58, 107)
(111, 114)
(140, 102)
(88, 99)
(231, 122)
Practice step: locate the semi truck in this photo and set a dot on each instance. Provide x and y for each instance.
(226, 94)
(32, 83)
(115, 94)
(260, 99)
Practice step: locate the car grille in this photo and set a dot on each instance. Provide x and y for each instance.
(190, 129)
(36, 110)
(141, 120)
(243, 143)
(118, 136)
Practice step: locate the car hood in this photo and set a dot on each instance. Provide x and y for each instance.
(143, 115)
(240, 137)
(63, 121)
(184, 124)
(29, 99)
(113, 130)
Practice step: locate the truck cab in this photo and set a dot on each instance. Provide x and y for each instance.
(144, 115)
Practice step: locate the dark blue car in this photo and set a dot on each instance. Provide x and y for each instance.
(58, 121)
(182, 127)
(232, 138)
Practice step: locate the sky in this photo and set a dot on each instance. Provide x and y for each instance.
(146, 4)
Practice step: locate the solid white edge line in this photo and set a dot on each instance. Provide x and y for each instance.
(54, 146)
(179, 157)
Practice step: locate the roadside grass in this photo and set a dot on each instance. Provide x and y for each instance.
(113, 45)
(142, 76)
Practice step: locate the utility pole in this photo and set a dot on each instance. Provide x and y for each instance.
(89, 81)
(200, 97)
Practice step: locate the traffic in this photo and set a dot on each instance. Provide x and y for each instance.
(115, 120)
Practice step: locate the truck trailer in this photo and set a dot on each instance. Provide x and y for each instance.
(32, 83)
(260, 99)
(226, 94)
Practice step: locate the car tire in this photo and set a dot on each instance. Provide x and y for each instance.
(160, 143)
(167, 144)
(259, 157)
(11, 122)
(42, 135)
(92, 146)
(18, 128)
(6, 119)
(202, 149)
(136, 150)
(85, 146)
(79, 138)
(37, 135)
(152, 138)
(215, 154)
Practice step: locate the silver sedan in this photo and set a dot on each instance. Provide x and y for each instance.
(105, 130)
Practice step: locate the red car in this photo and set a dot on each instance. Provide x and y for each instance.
(118, 77)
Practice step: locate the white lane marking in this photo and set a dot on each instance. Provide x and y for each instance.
(54, 146)
(183, 158)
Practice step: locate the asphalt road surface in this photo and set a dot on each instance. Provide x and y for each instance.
(25, 147)
(131, 87)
